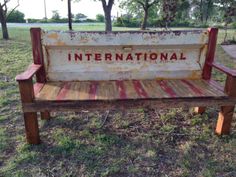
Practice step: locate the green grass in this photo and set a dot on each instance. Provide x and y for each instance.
(173, 142)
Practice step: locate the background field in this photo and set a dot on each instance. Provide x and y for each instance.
(141, 142)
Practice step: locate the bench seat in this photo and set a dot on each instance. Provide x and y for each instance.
(128, 89)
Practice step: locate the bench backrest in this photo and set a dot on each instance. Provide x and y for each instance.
(70, 56)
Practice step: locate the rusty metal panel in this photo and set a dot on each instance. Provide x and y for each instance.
(124, 55)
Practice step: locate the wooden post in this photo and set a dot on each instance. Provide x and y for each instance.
(39, 59)
(209, 60)
(226, 113)
(30, 118)
(45, 115)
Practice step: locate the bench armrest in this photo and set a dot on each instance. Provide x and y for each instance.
(224, 69)
(29, 73)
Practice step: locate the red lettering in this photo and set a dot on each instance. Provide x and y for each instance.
(88, 55)
(129, 57)
(78, 57)
(145, 56)
(173, 56)
(164, 56)
(119, 56)
(69, 57)
(98, 57)
(153, 56)
(138, 55)
(182, 57)
(108, 56)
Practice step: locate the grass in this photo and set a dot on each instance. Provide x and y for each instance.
(173, 142)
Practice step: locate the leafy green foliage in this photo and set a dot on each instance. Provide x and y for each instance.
(16, 17)
(100, 18)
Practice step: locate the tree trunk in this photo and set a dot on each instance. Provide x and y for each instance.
(69, 15)
(201, 11)
(107, 12)
(144, 23)
(4, 25)
(108, 22)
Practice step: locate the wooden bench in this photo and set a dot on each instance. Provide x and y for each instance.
(123, 70)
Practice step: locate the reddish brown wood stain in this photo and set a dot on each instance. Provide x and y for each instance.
(38, 53)
(65, 89)
(93, 90)
(121, 89)
(139, 89)
(192, 87)
(210, 53)
(166, 88)
(135, 89)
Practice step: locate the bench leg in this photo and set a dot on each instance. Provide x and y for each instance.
(31, 128)
(45, 115)
(226, 113)
(224, 120)
(199, 110)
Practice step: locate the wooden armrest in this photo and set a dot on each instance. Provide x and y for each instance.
(224, 69)
(28, 74)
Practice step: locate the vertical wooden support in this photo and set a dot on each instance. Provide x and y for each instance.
(30, 118)
(226, 113)
(39, 59)
(45, 115)
(206, 74)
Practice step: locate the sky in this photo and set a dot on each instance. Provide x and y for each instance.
(35, 8)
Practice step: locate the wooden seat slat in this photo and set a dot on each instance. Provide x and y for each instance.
(180, 88)
(50, 91)
(129, 89)
(38, 87)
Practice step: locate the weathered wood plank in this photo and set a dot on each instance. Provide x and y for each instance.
(38, 56)
(38, 87)
(139, 89)
(65, 88)
(130, 90)
(121, 89)
(29, 72)
(226, 114)
(30, 118)
(210, 55)
(125, 104)
(133, 89)
(153, 89)
(165, 87)
(50, 91)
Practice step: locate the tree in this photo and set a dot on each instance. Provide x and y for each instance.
(203, 9)
(107, 7)
(183, 12)
(229, 10)
(169, 9)
(100, 18)
(143, 4)
(3, 17)
(80, 16)
(16, 16)
(55, 15)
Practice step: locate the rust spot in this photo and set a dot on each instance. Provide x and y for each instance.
(195, 75)
(53, 36)
(60, 43)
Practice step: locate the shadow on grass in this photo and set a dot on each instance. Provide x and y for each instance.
(140, 143)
